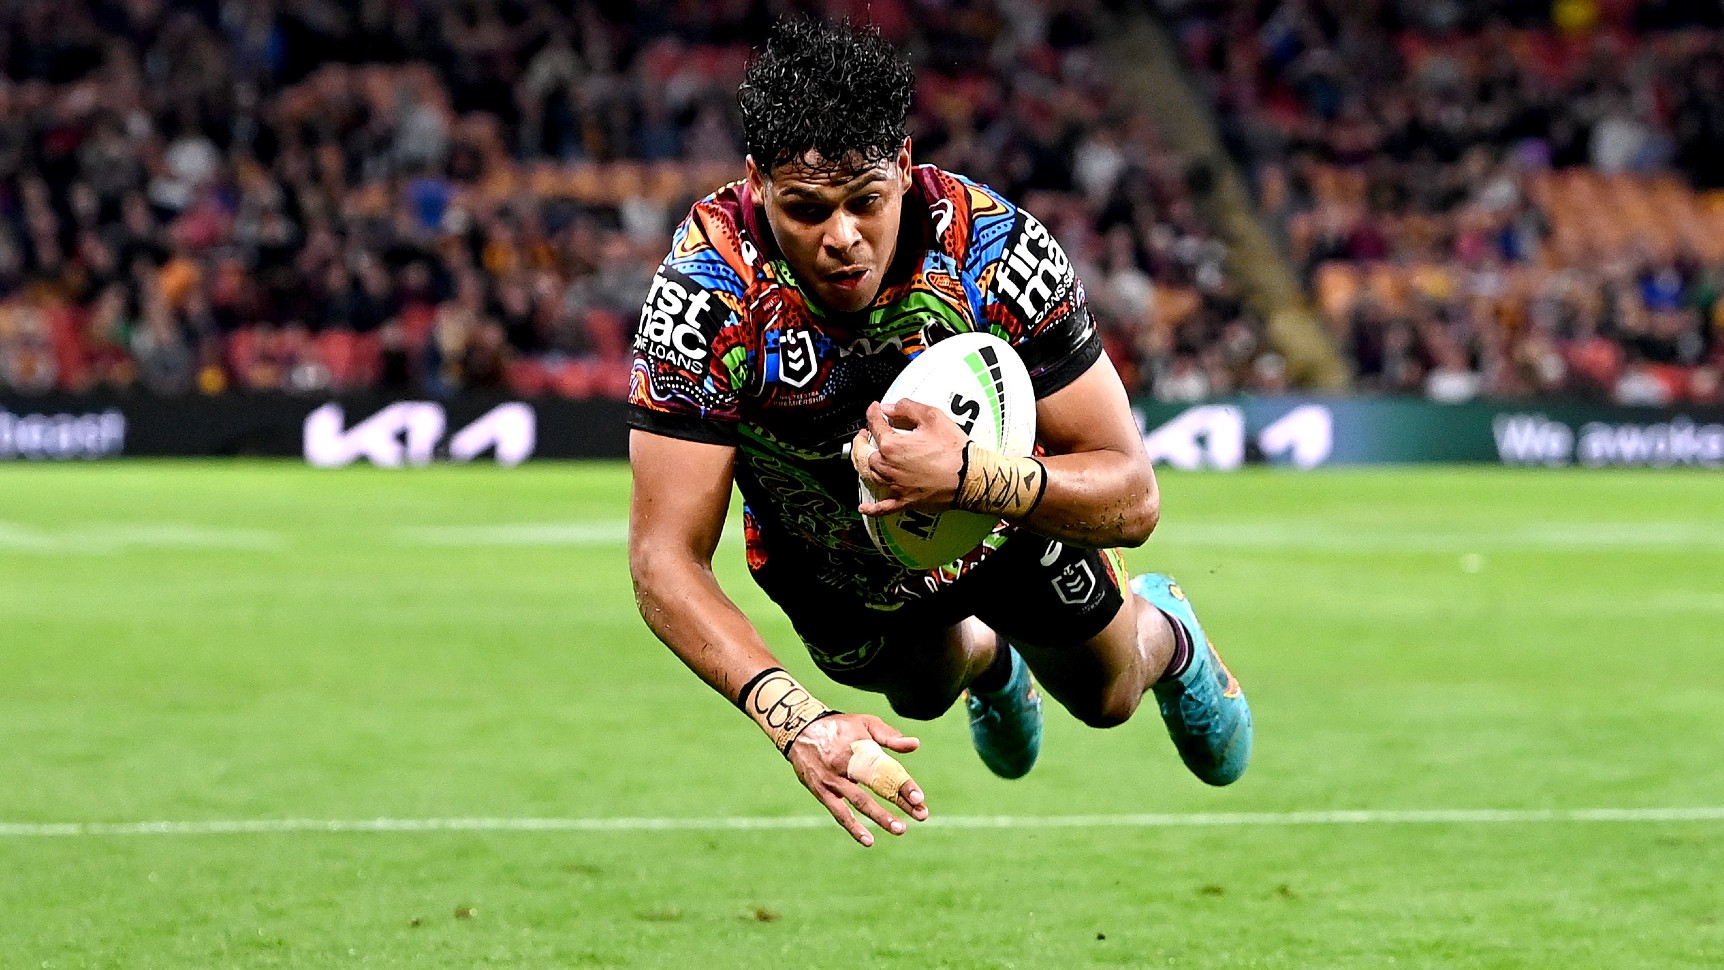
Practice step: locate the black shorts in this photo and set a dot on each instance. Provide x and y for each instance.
(1033, 589)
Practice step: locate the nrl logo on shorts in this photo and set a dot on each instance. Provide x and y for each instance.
(797, 364)
(1075, 584)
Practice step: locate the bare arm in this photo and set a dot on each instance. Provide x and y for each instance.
(676, 515)
(1100, 487)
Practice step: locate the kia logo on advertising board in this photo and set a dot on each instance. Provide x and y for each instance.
(409, 433)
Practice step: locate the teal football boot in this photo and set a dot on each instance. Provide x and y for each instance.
(1205, 711)
(1006, 725)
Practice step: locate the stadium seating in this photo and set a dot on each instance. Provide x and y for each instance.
(278, 238)
(1535, 188)
(1519, 186)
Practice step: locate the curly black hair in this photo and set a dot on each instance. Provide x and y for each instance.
(836, 89)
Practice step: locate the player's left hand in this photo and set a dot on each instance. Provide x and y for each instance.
(822, 755)
(909, 455)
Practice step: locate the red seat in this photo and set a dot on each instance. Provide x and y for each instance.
(241, 352)
(609, 332)
(527, 377)
(64, 324)
(417, 320)
(572, 379)
(611, 378)
(337, 349)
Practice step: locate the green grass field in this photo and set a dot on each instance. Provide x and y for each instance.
(231, 643)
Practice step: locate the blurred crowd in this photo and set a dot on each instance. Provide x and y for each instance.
(1497, 199)
(428, 197)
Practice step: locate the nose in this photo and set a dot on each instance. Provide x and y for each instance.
(843, 232)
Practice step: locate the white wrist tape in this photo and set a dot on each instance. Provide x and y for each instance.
(993, 484)
(781, 706)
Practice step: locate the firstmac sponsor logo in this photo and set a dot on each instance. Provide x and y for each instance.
(676, 319)
(1034, 272)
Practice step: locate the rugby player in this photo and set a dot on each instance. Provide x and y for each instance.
(788, 302)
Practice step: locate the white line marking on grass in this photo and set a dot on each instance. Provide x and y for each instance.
(107, 538)
(1439, 816)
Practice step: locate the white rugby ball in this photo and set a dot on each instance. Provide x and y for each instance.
(983, 386)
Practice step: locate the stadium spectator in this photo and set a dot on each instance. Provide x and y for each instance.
(1488, 199)
(301, 169)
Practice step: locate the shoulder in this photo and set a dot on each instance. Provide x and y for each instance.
(969, 220)
(1029, 291)
(1010, 253)
(695, 320)
(714, 266)
(713, 244)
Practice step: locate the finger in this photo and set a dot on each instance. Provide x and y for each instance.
(878, 467)
(876, 812)
(885, 506)
(911, 799)
(908, 795)
(891, 737)
(884, 776)
(841, 812)
(908, 415)
(861, 447)
(877, 422)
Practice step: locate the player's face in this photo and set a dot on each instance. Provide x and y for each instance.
(837, 227)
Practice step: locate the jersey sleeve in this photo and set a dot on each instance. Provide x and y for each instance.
(1031, 294)
(688, 345)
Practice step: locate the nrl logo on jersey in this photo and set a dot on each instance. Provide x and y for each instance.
(797, 361)
(677, 319)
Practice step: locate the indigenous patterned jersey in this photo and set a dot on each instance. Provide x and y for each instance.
(730, 350)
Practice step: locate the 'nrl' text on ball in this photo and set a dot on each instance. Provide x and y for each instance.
(672, 318)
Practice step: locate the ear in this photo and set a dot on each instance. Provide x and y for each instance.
(756, 178)
(903, 164)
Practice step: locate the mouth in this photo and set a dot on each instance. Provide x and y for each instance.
(848, 278)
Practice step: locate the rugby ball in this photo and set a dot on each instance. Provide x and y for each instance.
(983, 386)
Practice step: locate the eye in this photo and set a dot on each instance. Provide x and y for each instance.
(866, 203)
(806, 213)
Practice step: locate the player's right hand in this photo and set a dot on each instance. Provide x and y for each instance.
(821, 755)
(910, 456)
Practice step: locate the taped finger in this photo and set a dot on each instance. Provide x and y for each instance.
(876, 770)
(861, 448)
